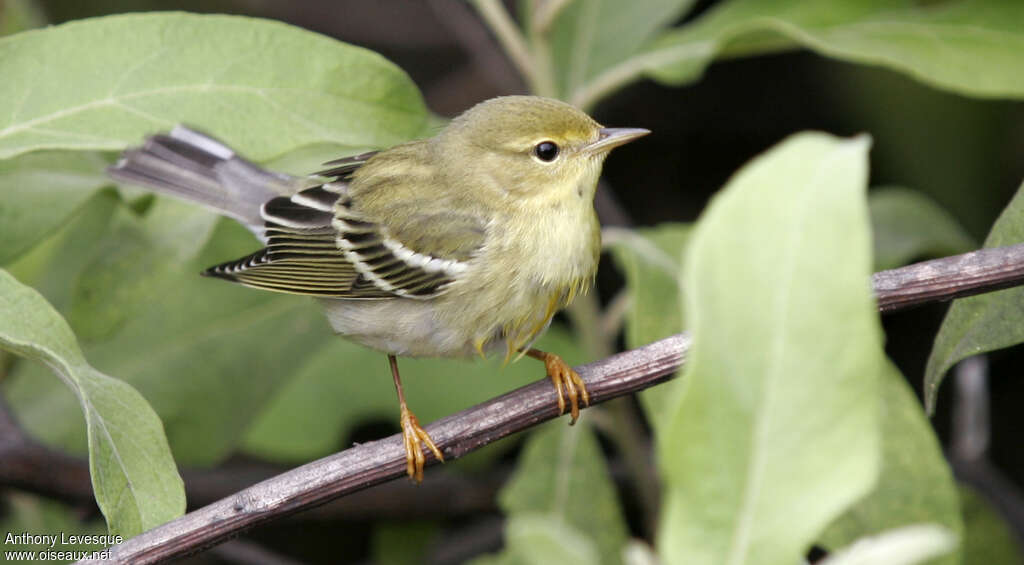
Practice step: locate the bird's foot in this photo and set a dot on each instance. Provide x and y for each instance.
(567, 383)
(416, 438)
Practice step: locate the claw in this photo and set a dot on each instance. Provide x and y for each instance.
(566, 381)
(416, 438)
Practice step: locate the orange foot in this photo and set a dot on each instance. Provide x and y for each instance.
(416, 439)
(566, 381)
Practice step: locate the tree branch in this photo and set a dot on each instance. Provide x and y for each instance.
(977, 272)
(372, 463)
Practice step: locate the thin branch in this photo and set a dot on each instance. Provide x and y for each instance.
(943, 279)
(543, 80)
(373, 463)
(508, 34)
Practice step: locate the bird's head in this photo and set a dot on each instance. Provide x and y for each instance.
(533, 147)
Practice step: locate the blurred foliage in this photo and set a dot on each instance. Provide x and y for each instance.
(561, 479)
(756, 461)
(770, 373)
(914, 486)
(987, 538)
(907, 225)
(983, 323)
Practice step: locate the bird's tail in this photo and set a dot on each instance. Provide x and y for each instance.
(197, 168)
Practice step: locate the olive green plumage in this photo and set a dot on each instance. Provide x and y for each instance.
(459, 244)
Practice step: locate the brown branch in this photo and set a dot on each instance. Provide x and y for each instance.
(372, 463)
(981, 271)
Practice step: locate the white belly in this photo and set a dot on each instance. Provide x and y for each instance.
(399, 326)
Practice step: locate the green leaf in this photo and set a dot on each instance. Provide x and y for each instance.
(136, 262)
(907, 225)
(987, 537)
(904, 546)
(590, 37)
(970, 47)
(981, 323)
(776, 431)
(651, 259)
(40, 191)
(133, 474)
(250, 82)
(915, 486)
(561, 478)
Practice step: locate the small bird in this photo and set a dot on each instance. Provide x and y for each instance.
(463, 244)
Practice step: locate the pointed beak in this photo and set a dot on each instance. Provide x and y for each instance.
(611, 138)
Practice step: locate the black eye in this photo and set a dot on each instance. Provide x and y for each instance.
(546, 151)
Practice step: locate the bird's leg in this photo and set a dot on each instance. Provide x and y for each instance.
(565, 379)
(413, 434)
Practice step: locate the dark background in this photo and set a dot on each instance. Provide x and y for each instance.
(964, 153)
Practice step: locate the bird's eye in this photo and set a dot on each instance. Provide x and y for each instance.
(546, 151)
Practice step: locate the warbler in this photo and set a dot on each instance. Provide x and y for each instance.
(459, 245)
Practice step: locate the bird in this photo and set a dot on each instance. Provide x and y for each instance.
(459, 245)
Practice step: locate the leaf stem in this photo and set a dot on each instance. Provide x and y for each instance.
(546, 13)
(508, 34)
(543, 83)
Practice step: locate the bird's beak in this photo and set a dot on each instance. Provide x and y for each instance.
(611, 138)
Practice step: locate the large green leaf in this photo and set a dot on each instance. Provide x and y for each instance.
(915, 486)
(981, 323)
(776, 431)
(650, 259)
(907, 225)
(133, 474)
(39, 191)
(561, 482)
(970, 47)
(251, 82)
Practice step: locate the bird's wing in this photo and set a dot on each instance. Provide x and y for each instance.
(319, 244)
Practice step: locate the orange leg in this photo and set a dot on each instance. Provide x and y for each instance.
(566, 381)
(413, 434)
